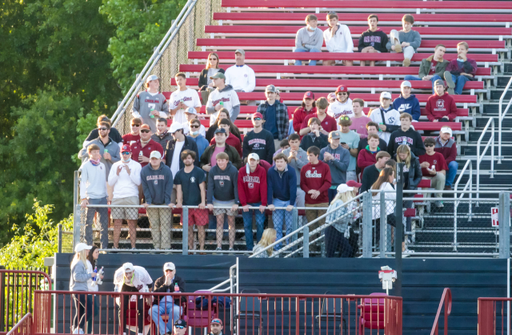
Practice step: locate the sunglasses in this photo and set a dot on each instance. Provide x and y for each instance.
(179, 327)
(135, 125)
(194, 126)
(342, 93)
(144, 131)
(257, 119)
(102, 128)
(126, 152)
(429, 145)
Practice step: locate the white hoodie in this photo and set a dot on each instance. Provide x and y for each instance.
(341, 41)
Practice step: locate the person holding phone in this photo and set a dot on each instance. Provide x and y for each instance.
(433, 167)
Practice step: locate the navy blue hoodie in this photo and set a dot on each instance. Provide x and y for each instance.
(157, 184)
(410, 105)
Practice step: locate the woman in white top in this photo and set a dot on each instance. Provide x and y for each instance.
(78, 282)
(93, 285)
(341, 214)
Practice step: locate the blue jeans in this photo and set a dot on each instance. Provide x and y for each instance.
(166, 307)
(260, 220)
(459, 81)
(433, 80)
(453, 166)
(311, 62)
(279, 217)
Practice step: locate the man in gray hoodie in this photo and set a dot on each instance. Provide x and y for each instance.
(309, 39)
(224, 96)
(406, 40)
(338, 159)
(157, 183)
(297, 158)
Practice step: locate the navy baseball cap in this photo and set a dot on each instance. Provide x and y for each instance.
(181, 322)
(220, 130)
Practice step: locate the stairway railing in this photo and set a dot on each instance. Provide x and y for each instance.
(446, 301)
(480, 157)
(502, 116)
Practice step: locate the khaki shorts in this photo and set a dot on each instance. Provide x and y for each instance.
(121, 213)
(218, 211)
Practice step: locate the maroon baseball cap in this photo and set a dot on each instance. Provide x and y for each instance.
(341, 88)
(352, 183)
(309, 95)
(126, 147)
(255, 115)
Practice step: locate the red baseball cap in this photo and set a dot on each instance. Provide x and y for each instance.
(352, 183)
(309, 95)
(341, 88)
(126, 148)
(255, 115)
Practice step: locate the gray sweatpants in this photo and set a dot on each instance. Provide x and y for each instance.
(394, 37)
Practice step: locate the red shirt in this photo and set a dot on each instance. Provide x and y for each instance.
(299, 115)
(436, 159)
(433, 64)
(264, 164)
(252, 186)
(146, 151)
(233, 141)
(316, 177)
(439, 106)
(366, 158)
(130, 138)
(328, 124)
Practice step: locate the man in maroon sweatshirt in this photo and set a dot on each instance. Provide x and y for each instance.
(367, 156)
(441, 106)
(315, 181)
(252, 191)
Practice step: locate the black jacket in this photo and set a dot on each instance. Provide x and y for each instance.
(411, 138)
(415, 175)
(203, 79)
(190, 144)
(234, 156)
(160, 287)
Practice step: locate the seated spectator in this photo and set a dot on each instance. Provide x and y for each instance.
(268, 237)
(432, 68)
(371, 173)
(109, 150)
(208, 158)
(406, 135)
(240, 76)
(359, 120)
(407, 102)
(446, 146)
(309, 39)
(252, 192)
(338, 160)
(182, 99)
(350, 141)
(224, 96)
(441, 106)
(114, 133)
(134, 135)
(222, 195)
(176, 146)
(150, 104)
(343, 104)
(232, 140)
(297, 158)
(307, 108)
(165, 305)
(191, 191)
(337, 39)
(282, 146)
(124, 177)
(195, 135)
(460, 70)
(275, 115)
(205, 82)
(315, 137)
(162, 135)
(157, 184)
(373, 40)
(143, 147)
(327, 122)
(223, 114)
(331, 98)
(341, 218)
(372, 128)
(406, 40)
(367, 156)
(191, 114)
(386, 117)
(433, 167)
(259, 140)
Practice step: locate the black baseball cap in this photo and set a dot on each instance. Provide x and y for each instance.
(181, 322)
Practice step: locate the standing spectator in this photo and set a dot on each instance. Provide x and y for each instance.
(343, 104)
(412, 175)
(386, 117)
(327, 122)
(315, 180)
(182, 99)
(216, 327)
(232, 140)
(367, 156)
(371, 173)
(162, 135)
(338, 160)
(275, 114)
(223, 192)
(191, 114)
(93, 191)
(406, 40)
(157, 183)
(124, 177)
(282, 182)
(240, 75)
(259, 140)
(406, 135)
(407, 102)
(268, 237)
(191, 191)
(309, 39)
(224, 96)
(373, 40)
(252, 191)
(297, 158)
(78, 282)
(341, 216)
(145, 146)
(176, 146)
(223, 114)
(385, 183)
(180, 327)
(432, 68)
(433, 167)
(359, 120)
(150, 104)
(114, 133)
(208, 158)
(195, 135)
(441, 106)
(460, 70)
(93, 285)
(350, 141)
(283, 146)
(446, 145)
(205, 82)
(315, 137)
(372, 128)
(337, 39)
(307, 108)
(134, 135)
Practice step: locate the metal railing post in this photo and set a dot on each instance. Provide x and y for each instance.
(184, 216)
(295, 223)
(60, 239)
(367, 225)
(383, 245)
(77, 224)
(305, 242)
(501, 116)
(480, 158)
(504, 222)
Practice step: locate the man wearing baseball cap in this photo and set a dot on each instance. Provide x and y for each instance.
(275, 114)
(224, 96)
(386, 117)
(308, 107)
(407, 102)
(447, 146)
(124, 177)
(259, 140)
(180, 327)
(144, 146)
(241, 76)
(441, 106)
(338, 158)
(182, 99)
(216, 327)
(342, 105)
(176, 146)
(150, 104)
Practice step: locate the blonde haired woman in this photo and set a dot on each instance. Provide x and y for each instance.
(268, 237)
(78, 282)
(205, 83)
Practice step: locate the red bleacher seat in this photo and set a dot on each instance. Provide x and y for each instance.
(410, 212)
(425, 183)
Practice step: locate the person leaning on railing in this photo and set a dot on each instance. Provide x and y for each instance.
(340, 215)
(78, 282)
(385, 183)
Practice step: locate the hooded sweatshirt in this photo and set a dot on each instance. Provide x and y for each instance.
(157, 184)
(304, 40)
(448, 149)
(338, 165)
(162, 139)
(410, 105)
(111, 147)
(261, 143)
(229, 99)
(282, 184)
(252, 186)
(412, 37)
(376, 39)
(341, 41)
(316, 177)
(311, 139)
(391, 120)
(411, 138)
(439, 106)
(223, 184)
(298, 163)
(366, 158)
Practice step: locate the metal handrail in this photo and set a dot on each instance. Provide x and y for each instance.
(25, 322)
(502, 116)
(479, 157)
(446, 301)
(469, 184)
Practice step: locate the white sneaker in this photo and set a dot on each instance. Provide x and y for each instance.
(78, 331)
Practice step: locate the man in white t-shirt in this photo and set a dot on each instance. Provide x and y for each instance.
(342, 105)
(386, 117)
(240, 75)
(183, 98)
(224, 96)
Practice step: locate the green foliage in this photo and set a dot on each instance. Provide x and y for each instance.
(36, 240)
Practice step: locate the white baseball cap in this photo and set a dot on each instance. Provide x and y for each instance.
(342, 188)
(128, 267)
(253, 156)
(82, 246)
(169, 266)
(406, 83)
(151, 77)
(175, 126)
(446, 129)
(155, 154)
(385, 95)
(191, 110)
